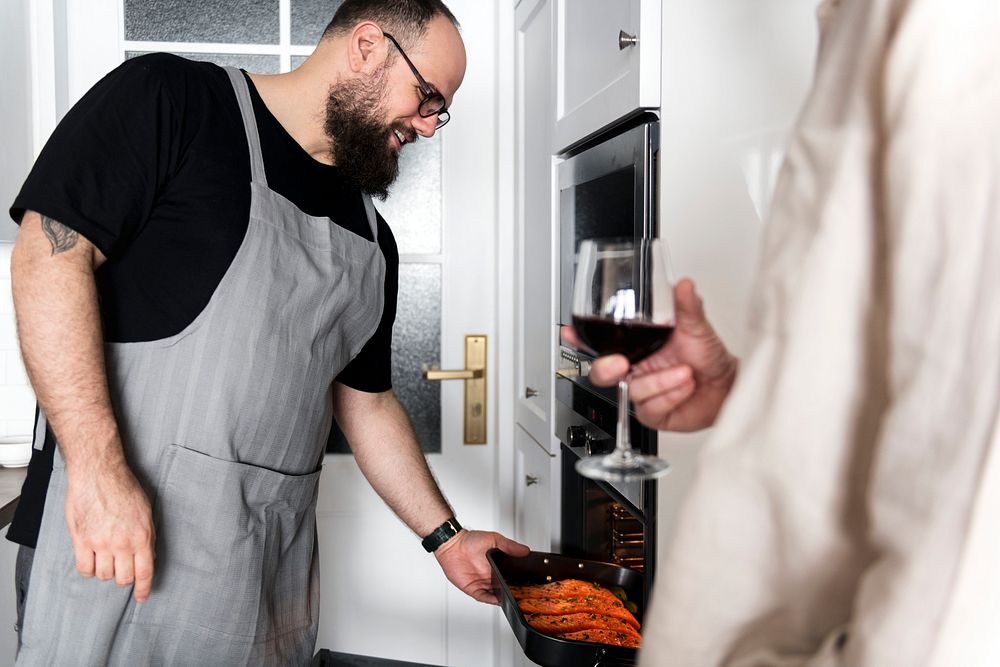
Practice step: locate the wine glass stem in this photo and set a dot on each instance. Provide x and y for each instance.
(623, 442)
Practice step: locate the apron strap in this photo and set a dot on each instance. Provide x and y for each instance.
(372, 217)
(249, 124)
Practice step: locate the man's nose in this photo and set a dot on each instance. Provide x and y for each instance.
(425, 127)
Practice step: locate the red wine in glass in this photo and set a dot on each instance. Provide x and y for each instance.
(633, 338)
(623, 302)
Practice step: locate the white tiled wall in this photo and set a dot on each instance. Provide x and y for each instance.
(17, 402)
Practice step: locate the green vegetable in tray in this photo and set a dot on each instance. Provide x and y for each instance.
(619, 593)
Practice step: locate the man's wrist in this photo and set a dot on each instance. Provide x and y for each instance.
(437, 537)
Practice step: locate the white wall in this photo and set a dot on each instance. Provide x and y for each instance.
(735, 74)
(15, 107)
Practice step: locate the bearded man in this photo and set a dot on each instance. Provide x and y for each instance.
(201, 285)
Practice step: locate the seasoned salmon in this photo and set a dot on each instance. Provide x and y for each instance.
(567, 588)
(554, 625)
(588, 605)
(602, 637)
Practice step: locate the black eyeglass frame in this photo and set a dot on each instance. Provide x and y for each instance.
(432, 102)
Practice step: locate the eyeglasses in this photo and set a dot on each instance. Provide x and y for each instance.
(431, 101)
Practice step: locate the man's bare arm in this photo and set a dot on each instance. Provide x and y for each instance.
(58, 324)
(386, 449)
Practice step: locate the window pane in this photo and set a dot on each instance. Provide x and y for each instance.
(298, 60)
(416, 340)
(226, 21)
(251, 63)
(413, 208)
(309, 19)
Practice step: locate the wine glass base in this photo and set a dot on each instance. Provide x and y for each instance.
(617, 468)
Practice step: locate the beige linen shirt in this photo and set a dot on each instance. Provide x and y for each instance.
(846, 507)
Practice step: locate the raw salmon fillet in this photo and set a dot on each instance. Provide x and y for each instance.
(567, 588)
(555, 625)
(602, 637)
(567, 606)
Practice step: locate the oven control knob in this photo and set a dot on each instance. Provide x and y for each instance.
(598, 446)
(577, 436)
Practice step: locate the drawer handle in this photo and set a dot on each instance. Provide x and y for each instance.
(626, 40)
(530, 480)
(530, 393)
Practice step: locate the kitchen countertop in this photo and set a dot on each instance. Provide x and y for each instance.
(10, 491)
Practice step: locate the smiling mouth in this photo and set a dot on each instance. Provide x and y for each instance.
(402, 139)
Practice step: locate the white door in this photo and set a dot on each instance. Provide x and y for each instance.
(382, 595)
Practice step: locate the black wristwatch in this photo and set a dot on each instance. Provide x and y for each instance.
(441, 534)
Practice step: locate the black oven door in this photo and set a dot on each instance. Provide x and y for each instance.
(606, 190)
(603, 521)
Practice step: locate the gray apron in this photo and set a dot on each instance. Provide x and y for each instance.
(224, 424)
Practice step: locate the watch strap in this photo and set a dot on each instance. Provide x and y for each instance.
(440, 535)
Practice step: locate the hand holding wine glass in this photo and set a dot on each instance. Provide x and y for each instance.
(683, 385)
(623, 304)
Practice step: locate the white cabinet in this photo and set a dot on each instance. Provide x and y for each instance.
(534, 271)
(607, 64)
(536, 503)
(536, 492)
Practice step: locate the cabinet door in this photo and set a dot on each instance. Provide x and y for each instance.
(534, 270)
(536, 492)
(602, 74)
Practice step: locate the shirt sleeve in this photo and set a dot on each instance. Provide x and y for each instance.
(371, 370)
(101, 169)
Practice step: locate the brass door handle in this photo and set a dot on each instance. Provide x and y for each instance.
(464, 374)
(474, 375)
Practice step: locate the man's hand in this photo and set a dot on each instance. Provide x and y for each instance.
(463, 559)
(111, 526)
(682, 386)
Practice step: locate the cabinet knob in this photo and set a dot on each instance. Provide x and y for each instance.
(626, 40)
(530, 480)
(530, 393)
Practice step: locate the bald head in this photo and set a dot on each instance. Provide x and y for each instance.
(407, 20)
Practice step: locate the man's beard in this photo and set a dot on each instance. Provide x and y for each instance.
(359, 138)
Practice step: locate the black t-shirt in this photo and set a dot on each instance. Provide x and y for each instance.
(152, 166)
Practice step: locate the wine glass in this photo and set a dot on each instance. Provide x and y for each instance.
(623, 302)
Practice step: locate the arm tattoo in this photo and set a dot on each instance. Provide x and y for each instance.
(60, 236)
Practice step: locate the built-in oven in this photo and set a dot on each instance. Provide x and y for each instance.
(606, 189)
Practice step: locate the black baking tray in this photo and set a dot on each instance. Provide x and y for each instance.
(540, 568)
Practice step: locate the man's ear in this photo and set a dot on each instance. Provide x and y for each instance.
(367, 47)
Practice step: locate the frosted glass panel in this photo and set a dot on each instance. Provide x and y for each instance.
(227, 21)
(416, 339)
(309, 19)
(298, 60)
(251, 63)
(413, 209)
